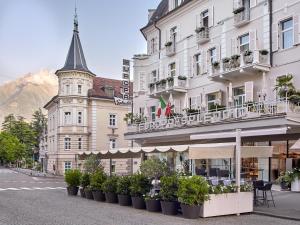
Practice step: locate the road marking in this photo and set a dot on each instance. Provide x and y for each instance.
(31, 189)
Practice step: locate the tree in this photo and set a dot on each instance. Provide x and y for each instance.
(284, 86)
(38, 124)
(92, 164)
(154, 168)
(11, 149)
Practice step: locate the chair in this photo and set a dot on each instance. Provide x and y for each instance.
(265, 189)
(213, 172)
(224, 173)
(257, 184)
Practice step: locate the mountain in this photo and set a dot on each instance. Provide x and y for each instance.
(26, 94)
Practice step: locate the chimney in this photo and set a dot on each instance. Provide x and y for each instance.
(150, 13)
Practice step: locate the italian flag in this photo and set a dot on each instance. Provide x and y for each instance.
(162, 105)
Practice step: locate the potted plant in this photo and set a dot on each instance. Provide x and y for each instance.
(216, 107)
(168, 192)
(235, 61)
(226, 63)
(88, 193)
(85, 182)
(199, 29)
(72, 178)
(168, 44)
(109, 187)
(163, 81)
(170, 79)
(216, 65)
(182, 77)
(192, 193)
(140, 185)
(295, 179)
(248, 57)
(97, 179)
(238, 10)
(151, 85)
(152, 200)
(123, 190)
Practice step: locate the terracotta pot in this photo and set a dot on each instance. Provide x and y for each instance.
(138, 202)
(153, 205)
(124, 200)
(88, 194)
(73, 191)
(82, 193)
(98, 196)
(190, 211)
(169, 208)
(111, 197)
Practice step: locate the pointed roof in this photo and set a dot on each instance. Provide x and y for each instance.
(75, 59)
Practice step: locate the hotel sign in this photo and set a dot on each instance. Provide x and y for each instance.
(190, 120)
(125, 99)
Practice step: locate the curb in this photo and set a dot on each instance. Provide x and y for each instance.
(32, 175)
(275, 216)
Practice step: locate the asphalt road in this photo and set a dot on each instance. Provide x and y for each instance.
(39, 201)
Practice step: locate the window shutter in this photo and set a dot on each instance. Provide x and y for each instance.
(193, 66)
(199, 101)
(198, 21)
(233, 46)
(218, 53)
(296, 29)
(220, 97)
(275, 36)
(204, 61)
(253, 3)
(177, 66)
(237, 4)
(252, 40)
(211, 16)
(249, 91)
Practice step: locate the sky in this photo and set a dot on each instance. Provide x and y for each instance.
(36, 34)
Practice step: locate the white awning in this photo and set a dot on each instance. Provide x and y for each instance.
(296, 146)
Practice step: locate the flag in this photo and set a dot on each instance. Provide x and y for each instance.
(168, 112)
(162, 105)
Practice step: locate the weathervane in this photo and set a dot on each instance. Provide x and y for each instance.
(75, 18)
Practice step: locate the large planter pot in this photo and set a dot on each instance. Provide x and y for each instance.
(190, 211)
(124, 200)
(138, 202)
(284, 186)
(88, 194)
(82, 193)
(295, 185)
(153, 205)
(218, 204)
(98, 196)
(111, 197)
(169, 208)
(73, 191)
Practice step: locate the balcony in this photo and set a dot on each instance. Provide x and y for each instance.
(202, 35)
(170, 48)
(241, 16)
(171, 84)
(240, 65)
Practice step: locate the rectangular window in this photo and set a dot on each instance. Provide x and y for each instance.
(173, 37)
(112, 120)
(79, 143)
(154, 77)
(172, 69)
(239, 96)
(112, 143)
(142, 81)
(67, 143)
(244, 43)
(79, 89)
(153, 113)
(211, 100)
(152, 46)
(79, 117)
(113, 168)
(205, 20)
(213, 55)
(67, 118)
(287, 30)
(67, 89)
(68, 166)
(198, 63)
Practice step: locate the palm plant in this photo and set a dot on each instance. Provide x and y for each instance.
(284, 86)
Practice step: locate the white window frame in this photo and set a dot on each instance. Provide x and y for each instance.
(112, 143)
(67, 143)
(205, 15)
(198, 63)
(67, 165)
(282, 32)
(79, 89)
(172, 71)
(112, 120)
(242, 46)
(213, 55)
(153, 113)
(214, 101)
(79, 117)
(67, 118)
(152, 46)
(241, 97)
(154, 76)
(67, 89)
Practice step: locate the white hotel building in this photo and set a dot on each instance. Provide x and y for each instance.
(197, 58)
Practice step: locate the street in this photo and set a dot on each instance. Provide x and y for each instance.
(27, 200)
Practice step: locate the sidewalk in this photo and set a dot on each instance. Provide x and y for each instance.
(287, 206)
(34, 173)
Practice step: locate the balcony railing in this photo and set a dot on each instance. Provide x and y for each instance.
(242, 17)
(202, 35)
(176, 83)
(247, 111)
(170, 49)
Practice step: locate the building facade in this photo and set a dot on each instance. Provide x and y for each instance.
(217, 64)
(83, 118)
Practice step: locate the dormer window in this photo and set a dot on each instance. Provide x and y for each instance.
(109, 91)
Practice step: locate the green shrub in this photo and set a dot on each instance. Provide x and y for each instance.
(97, 179)
(140, 185)
(169, 188)
(193, 190)
(72, 178)
(110, 185)
(85, 180)
(123, 185)
(154, 168)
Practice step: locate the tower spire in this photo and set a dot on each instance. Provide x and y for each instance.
(75, 19)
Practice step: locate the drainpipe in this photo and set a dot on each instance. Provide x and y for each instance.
(270, 2)
(159, 38)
